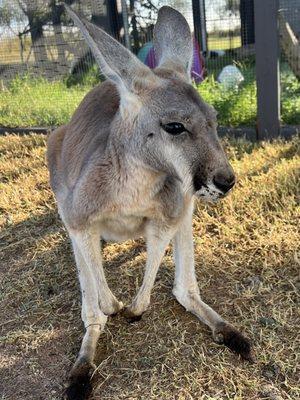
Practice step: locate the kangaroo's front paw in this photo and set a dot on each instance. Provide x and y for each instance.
(229, 336)
(131, 316)
(136, 309)
(110, 305)
(80, 386)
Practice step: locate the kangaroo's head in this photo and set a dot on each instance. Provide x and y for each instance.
(163, 121)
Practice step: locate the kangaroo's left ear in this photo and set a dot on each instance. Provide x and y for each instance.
(117, 63)
(173, 41)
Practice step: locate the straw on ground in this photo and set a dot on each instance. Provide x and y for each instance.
(248, 268)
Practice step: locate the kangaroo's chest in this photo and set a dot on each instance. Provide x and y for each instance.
(122, 228)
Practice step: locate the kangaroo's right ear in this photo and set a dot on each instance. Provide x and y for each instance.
(173, 41)
(116, 62)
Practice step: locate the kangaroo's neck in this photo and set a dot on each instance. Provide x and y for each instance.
(132, 182)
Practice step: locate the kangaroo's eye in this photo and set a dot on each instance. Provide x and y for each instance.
(174, 128)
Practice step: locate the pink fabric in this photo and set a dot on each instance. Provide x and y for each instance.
(197, 71)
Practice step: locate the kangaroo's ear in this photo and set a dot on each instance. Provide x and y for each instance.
(116, 62)
(173, 41)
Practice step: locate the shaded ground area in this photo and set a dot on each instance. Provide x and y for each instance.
(248, 268)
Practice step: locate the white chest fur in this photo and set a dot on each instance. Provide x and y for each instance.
(122, 228)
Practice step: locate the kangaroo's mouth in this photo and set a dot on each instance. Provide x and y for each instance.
(198, 183)
(214, 189)
(209, 193)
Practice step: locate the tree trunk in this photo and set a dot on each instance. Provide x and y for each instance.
(57, 11)
(37, 38)
(135, 33)
(115, 19)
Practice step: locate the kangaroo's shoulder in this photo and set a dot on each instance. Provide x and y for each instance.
(98, 107)
(88, 130)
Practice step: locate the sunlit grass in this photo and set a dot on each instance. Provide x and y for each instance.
(37, 102)
(223, 43)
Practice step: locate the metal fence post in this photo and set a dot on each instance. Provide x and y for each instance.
(267, 68)
(247, 22)
(200, 23)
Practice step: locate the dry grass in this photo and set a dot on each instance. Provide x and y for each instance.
(10, 47)
(10, 50)
(248, 269)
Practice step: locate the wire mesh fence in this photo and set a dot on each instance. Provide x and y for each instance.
(289, 28)
(43, 55)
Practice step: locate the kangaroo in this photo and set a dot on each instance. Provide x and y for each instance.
(138, 150)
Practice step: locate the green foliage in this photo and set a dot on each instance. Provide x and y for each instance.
(90, 77)
(10, 12)
(36, 102)
(235, 107)
(238, 107)
(290, 95)
(31, 101)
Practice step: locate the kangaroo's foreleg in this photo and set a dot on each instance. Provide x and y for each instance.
(97, 303)
(88, 244)
(157, 241)
(186, 290)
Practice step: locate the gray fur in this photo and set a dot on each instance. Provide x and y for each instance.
(172, 40)
(114, 60)
(117, 174)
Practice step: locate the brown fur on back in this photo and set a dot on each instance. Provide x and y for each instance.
(71, 145)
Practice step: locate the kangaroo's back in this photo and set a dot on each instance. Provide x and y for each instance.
(71, 145)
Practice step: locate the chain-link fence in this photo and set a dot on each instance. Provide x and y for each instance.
(38, 40)
(36, 35)
(289, 28)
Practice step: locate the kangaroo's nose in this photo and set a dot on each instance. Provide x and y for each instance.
(224, 181)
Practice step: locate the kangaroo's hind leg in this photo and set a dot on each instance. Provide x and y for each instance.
(187, 292)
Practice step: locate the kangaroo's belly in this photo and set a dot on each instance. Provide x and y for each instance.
(122, 228)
